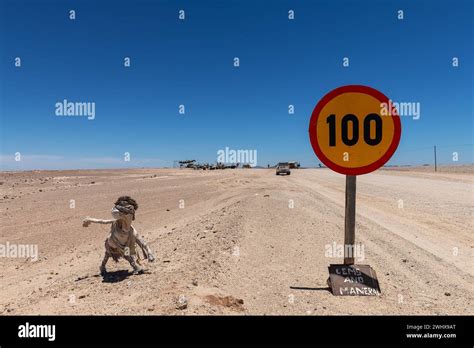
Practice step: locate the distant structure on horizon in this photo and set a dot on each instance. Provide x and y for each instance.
(294, 164)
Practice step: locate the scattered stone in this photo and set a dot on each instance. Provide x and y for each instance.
(447, 294)
(404, 260)
(82, 296)
(195, 282)
(266, 195)
(182, 303)
(167, 210)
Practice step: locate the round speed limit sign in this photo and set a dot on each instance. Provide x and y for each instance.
(349, 132)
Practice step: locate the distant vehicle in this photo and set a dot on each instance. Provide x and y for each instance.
(283, 168)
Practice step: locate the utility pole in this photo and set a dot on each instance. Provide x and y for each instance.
(436, 168)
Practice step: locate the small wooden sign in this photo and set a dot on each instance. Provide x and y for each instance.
(353, 280)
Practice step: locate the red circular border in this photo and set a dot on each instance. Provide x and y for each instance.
(314, 122)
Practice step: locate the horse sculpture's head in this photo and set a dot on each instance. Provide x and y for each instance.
(124, 208)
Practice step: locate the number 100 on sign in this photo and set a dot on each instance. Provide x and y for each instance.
(348, 132)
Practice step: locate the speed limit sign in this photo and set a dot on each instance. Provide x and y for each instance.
(348, 132)
(350, 135)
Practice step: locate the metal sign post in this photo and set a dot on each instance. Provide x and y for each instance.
(349, 225)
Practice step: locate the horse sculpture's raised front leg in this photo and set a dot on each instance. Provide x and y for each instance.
(88, 220)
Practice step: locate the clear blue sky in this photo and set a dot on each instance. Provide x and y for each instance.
(190, 62)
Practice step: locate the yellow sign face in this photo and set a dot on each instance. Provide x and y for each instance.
(349, 133)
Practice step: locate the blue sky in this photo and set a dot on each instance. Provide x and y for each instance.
(190, 62)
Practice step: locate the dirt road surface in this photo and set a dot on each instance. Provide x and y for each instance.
(237, 242)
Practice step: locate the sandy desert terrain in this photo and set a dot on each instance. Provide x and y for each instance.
(236, 246)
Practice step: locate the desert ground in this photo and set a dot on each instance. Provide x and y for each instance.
(236, 242)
